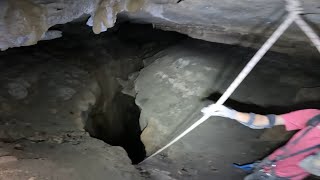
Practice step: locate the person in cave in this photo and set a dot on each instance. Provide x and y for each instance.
(298, 158)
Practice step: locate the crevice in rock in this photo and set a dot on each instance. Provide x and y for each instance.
(119, 126)
(115, 116)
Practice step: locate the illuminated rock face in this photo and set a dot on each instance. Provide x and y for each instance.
(25, 22)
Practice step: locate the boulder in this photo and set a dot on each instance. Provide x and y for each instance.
(169, 91)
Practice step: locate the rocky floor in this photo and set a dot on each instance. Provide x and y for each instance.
(57, 95)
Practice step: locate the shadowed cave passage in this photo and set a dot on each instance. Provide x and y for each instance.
(119, 126)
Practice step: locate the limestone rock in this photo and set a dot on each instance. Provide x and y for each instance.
(128, 86)
(51, 35)
(24, 22)
(168, 92)
(105, 15)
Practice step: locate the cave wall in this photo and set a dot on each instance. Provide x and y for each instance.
(50, 91)
(170, 90)
(246, 23)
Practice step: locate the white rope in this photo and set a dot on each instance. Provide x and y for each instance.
(294, 6)
(314, 38)
(294, 9)
(255, 59)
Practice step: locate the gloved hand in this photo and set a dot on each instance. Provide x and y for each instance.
(219, 110)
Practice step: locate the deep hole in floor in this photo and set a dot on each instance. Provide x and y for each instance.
(115, 117)
(119, 126)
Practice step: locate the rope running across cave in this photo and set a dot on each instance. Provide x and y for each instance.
(295, 10)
